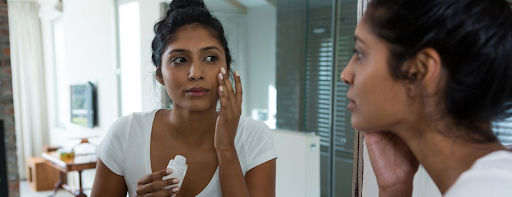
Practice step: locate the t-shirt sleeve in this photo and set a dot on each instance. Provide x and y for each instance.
(489, 183)
(259, 142)
(109, 150)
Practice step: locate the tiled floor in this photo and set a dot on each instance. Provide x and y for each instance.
(25, 191)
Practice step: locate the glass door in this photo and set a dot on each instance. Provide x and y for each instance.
(328, 51)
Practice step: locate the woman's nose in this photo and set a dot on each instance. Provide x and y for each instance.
(196, 72)
(347, 76)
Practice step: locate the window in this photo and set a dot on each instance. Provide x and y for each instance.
(61, 86)
(129, 57)
(503, 129)
(328, 52)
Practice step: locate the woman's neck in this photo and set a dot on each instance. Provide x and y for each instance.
(445, 158)
(192, 126)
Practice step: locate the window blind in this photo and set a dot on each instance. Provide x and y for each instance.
(325, 100)
(343, 130)
(503, 129)
(318, 76)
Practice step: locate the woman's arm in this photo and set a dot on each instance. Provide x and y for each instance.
(107, 183)
(259, 181)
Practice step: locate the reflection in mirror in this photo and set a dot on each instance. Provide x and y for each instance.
(290, 54)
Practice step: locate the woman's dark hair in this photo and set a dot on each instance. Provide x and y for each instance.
(182, 13)
(474, 41)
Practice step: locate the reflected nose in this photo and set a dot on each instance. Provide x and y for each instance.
(196, 73)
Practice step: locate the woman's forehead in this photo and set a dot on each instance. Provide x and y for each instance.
(194, 37)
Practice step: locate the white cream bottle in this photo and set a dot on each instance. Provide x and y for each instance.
(179, 169)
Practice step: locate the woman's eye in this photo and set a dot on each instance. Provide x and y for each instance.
(358, 54)
(178, 60)
(210, 58)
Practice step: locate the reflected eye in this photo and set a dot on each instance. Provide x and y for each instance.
(178, 60)
(210, 58)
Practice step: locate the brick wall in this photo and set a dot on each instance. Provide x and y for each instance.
(291, 63)
(6, 102)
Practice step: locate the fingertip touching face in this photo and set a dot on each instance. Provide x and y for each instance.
(377, 100)
(190, 65)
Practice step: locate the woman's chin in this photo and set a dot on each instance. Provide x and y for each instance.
(361, 125)
(198, 106)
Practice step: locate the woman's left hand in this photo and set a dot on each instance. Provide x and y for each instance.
(230, 111)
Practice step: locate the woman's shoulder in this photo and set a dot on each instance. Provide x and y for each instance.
(247, 124)
(252, 131)
(137, 117)
(491, 175)
(498, 160)
(135, 121)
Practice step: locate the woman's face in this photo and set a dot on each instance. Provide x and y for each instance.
(190, 66)
(377, 101)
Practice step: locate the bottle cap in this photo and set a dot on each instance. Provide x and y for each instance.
(180, 162)
(170, 163)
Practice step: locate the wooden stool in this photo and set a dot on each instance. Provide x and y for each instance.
(40, 176)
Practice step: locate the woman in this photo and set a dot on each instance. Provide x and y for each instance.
(226, 155)
(427, 80)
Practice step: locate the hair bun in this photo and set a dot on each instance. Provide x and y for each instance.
(185, 4)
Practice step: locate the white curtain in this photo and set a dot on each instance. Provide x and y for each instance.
(235, 28)
(28, 80)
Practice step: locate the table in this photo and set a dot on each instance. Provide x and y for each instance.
(64, 165)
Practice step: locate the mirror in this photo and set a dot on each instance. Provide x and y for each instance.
(290, 54)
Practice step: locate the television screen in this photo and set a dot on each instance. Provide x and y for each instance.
(83, 104)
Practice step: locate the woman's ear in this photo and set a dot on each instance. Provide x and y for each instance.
(158, 76)
(424, 71)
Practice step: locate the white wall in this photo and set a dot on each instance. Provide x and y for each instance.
(151, 90)
(298, 164)
(90, 55)
(90, 51)
(262, 22)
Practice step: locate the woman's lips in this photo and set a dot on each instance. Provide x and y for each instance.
(351, 105)
(197, 91)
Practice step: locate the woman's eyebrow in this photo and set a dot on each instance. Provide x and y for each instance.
(210, 48)
(177, 51)
(357, 38)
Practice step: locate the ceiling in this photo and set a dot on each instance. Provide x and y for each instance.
(225, 6)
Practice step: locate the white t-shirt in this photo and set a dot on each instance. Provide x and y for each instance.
(490, 176)
(125, 149)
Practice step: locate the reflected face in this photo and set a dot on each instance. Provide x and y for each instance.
(377, 101)
(190, 66)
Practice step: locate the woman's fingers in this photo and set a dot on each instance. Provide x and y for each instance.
(229, 90)
(239, 91)
(154, 176)
(156, 186)
(224, 99)
(166, 192)
(153, 183)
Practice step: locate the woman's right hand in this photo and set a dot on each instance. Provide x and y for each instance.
(152, 185)
(393, 162)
